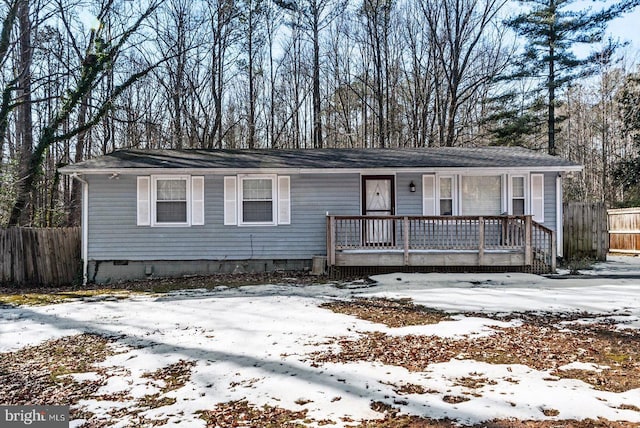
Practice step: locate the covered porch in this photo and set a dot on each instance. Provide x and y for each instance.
(509, 242)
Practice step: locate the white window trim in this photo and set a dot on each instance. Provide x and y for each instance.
(274, 199)
(527, 191)
(154, 196)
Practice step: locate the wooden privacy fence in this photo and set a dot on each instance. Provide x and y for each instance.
(624, 230)
(39, 256)
(585, 231)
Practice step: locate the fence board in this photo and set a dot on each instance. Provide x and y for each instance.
(39, 256)
(585, 230)
(624, 230)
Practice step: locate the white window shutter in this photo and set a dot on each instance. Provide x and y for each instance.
(428, 195)
(230, 201)
(197, 201)
(537, 197)
(144, 201)
(284, 200)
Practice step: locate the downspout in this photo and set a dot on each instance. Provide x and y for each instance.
(84, 223)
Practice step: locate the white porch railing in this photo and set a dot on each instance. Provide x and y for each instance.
(407, 234)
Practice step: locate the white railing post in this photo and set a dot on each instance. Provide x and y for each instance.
(554, 251)
(405, 231)
(528, 253)
(481, 242)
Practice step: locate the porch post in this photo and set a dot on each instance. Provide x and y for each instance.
(553, 251)
(528, 253)
(405, 232)
(480, 241)
(331, 244)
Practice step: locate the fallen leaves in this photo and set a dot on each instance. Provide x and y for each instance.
(537, 343)
(392, 312)
(241, 413)
(173, 376)
(41, 374)
(44, 374)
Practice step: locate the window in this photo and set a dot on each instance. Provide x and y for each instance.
(257, 200)
(446, 195)
(517, 196)
(170, 200)
(481, 195)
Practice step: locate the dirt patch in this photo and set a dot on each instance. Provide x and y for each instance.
(241, 413)
(27, 295)
(169, 378)
(395, 421)
(538, 347)
(49, 298)
(186, 282)
(41, 374)
(174, 376)
(392, 312)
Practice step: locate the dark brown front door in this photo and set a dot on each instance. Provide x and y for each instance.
(378, 199)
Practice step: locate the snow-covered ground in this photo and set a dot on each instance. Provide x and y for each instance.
(252, 343)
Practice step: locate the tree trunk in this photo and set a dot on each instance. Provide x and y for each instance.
(551, 120)
(251, 138)
(76, 186)
(317, 119)
(24, 125)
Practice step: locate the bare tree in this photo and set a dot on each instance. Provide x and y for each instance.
(419, 76)
(222, 15)
(100, 55)
(313, 17)
(376, 15)
(253, 27)
(468, 55)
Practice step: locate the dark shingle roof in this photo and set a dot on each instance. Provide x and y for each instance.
(442, 157)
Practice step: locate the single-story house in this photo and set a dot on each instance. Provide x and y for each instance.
(175, 212)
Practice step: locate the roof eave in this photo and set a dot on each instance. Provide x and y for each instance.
(69, 169)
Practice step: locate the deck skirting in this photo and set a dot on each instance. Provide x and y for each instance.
(430, 258)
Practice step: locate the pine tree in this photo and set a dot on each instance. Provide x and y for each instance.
(627, 171)
(552, 29)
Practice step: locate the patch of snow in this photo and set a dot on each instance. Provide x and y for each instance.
(513, 292)
(577, 365)
(83, 377)
(458, 327)
(252, 343)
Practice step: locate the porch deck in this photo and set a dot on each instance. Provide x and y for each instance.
(509, 242)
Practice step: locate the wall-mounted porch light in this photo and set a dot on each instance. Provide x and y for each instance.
(412, 187)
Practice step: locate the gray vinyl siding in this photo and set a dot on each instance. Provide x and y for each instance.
(114, 235)
(408, 203)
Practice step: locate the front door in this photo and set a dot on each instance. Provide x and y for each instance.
(378, 199)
